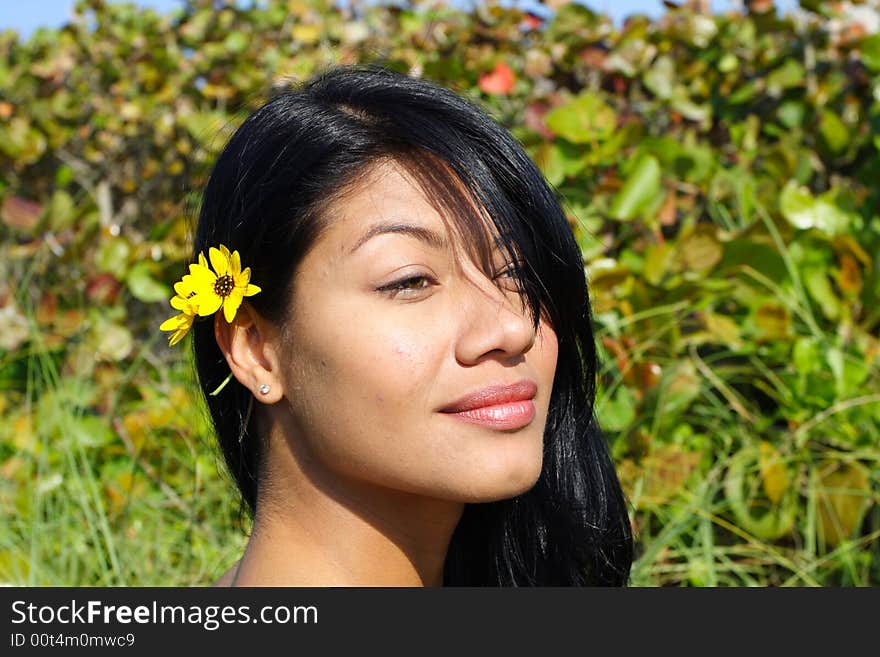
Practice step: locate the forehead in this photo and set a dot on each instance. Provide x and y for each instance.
(388, 199)
(386, 191)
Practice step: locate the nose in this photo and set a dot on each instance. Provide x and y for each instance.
(493, 320)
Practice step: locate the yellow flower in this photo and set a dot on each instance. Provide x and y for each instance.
(184, 299)
(203, 292)
(224, 287)
(179, 325)
(184, 302)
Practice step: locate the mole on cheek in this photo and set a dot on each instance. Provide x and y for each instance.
(409, 360)
(407, 355)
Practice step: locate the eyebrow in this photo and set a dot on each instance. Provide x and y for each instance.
(431, 238)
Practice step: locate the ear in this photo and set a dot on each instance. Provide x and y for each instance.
(250, 346)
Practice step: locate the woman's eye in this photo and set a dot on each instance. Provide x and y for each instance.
(509, 270)
(407, 286)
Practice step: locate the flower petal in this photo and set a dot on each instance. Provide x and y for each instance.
(203, 261)
(219, 261)
(184, 286)
(251, 290)
(186, 306)
(199, 277)
(244, 278)
(235, 265)
(177, 336)
(230, 306)
(207, 303)
(172, 323)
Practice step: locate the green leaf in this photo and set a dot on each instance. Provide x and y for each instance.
(679, 387)
(700, 250)
(640, 190)
(768, 520)
(774, 477)
(61, 210)
(683, 104)
(806, 355)
(849, 372)
(659, 261)
(728, 63)
(114, 342)
(618, 412)
(112, 256)
(723, 330)
(833, 131)
(549, 159)
(661, 77)
(819, 287)
(144, 287)
(236, 42)
(700, 29)
(745, 92)
(804, 211)
(843, 496)
(772, 321)
(790, 74)
(584, 120)
(205, 126)
(816, 6)
(573, 157)
(791, 113)
(870, 49)
(89, 431)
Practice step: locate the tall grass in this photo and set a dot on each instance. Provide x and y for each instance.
(83, 506)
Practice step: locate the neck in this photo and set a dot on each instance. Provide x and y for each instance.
(312, 528)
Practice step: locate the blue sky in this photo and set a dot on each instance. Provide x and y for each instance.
(25, 17)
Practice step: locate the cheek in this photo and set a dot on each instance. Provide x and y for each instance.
(378, 370)
(547, 348)
(396, 366)
(409, 363)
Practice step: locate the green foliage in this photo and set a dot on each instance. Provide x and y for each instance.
(719, 174)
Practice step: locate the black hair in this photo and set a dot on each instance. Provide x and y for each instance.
(267, 196)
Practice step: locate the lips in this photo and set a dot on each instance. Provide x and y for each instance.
(500, 407)
(495, 395)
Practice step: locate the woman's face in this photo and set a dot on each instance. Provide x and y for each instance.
(388, 329)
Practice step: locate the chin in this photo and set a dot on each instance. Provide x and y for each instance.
(504, 481)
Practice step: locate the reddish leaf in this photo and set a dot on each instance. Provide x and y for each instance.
(760, 6)
(534, 119)
(103, 288)
(850, 278)
(47, 308)
(20, 213)
(668, 214)
(531, 22)
(593, 57)
(499, 81)
(649, 375)
(619, 352)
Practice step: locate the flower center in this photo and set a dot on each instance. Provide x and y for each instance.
(223, 285)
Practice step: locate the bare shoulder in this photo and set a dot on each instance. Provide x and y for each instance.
(228, 577)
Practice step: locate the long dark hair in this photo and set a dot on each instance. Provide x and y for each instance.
(267, 197)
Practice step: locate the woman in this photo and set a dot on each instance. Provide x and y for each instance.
(411, 400)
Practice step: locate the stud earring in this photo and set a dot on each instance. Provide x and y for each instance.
(264, 389)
